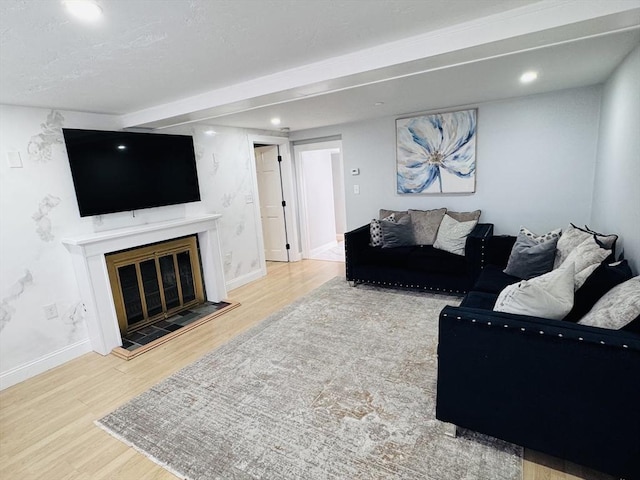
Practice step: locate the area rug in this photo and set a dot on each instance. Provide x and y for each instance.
(340, 384)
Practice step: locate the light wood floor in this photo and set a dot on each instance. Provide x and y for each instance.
(46, 423)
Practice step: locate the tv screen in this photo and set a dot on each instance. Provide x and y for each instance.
(123, 171)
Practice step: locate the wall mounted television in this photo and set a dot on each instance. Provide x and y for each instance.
(125, 171)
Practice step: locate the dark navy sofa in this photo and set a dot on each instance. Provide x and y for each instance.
(565, 389)
(419, 266)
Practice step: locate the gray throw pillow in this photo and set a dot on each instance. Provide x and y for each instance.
(532, 254)
(397, 234)
(425, 224)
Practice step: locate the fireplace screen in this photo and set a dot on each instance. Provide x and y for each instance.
(155, 281)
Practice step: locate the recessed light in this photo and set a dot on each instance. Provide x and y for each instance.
(210, 132)
(377, 104)
(528, 77)
(86, 10)
(122, 147)
(275, 121)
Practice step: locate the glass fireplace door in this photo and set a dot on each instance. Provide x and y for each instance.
(155, 281)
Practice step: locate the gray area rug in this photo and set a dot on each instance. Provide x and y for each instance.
(338, 385)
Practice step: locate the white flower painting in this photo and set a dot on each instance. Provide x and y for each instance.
(436, 153)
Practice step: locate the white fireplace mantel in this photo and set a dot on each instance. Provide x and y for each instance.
(88, 255)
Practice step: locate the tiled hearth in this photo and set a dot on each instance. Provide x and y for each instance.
(155, 334)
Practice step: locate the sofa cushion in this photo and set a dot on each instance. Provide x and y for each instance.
(548, 296)
(617, 308)
(604, 278)
(493, 280)
(397, 234)
(375, 230)
(425, 224)
(429, 259)
(532, 254)
(386, 257)
(633, 326)
(481, 300)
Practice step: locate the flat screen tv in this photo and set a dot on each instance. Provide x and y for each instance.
(124, 171)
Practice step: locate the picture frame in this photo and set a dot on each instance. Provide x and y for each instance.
(436, 153)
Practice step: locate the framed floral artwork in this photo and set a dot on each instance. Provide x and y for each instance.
(436, 153)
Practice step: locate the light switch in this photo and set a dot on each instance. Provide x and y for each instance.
(14, 160)
(356, 189)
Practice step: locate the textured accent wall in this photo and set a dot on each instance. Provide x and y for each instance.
(38, 208)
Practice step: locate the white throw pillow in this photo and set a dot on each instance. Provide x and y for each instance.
(586, 257)
(547, 296)
(574, 236)
(452, 235)
(617, 307)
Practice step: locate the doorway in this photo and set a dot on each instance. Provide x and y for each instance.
(319, 168)
(272, 202)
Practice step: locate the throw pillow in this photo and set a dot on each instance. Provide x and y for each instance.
(574, 236)
(607, 240)
(547, 296)
(586, 257)
(452, 235)
(376, 232)
(604, 278)
(617, 308)
(397, 234)
(465, 216)
(397, 213)
(425, 224)
(532, 254)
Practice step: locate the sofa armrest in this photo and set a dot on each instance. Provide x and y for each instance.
(565, 389)
(498, 250)
(475, 248)
(355, 243)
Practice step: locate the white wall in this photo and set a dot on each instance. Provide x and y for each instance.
(616, 198)
(535, 163)
(38, 208)
(338, 193)
(317, 178)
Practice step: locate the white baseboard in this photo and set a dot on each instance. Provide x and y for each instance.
(246, 278)
(322, 248)
(42, 364)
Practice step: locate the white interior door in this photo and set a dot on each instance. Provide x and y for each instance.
(270, 196)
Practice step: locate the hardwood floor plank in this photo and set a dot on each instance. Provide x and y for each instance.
(46, 423)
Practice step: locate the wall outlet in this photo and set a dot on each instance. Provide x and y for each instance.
(248, 198)
(50, 311)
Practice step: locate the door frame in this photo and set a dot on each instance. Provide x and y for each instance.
(289, 195)
(305, 242)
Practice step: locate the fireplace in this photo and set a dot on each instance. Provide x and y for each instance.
(155, 281)
(89, 254)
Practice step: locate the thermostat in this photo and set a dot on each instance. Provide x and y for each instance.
(355, 171)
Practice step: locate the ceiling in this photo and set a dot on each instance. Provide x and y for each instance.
(310, 62)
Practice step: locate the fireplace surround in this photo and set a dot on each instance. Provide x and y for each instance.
(90, 266)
